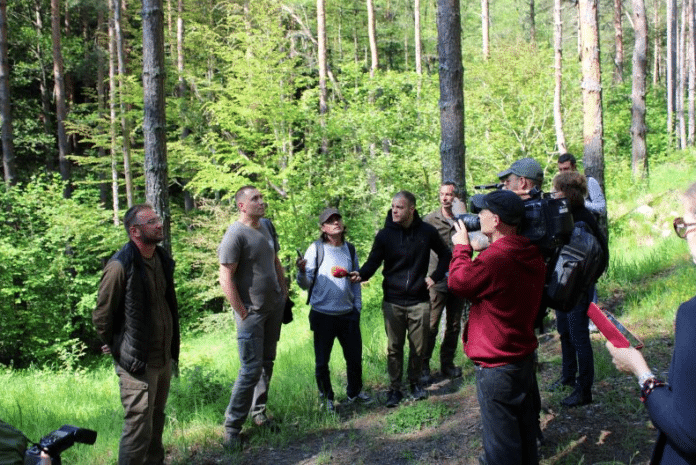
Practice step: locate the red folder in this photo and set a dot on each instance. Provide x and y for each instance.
(612, 328)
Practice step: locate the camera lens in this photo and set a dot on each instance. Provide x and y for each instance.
(471, 221)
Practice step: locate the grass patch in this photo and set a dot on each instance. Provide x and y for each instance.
(416, 416)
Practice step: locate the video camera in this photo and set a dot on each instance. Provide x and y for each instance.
(548, 222)
(54, 443)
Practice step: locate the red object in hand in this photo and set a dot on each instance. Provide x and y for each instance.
(339, 272)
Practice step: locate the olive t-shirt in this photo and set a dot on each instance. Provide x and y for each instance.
(254, 251)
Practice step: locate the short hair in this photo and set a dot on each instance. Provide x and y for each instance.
(240, 193)
(573, 184)
(567, 157)
(410, 198)
(132, 213)
(453, 184)
(690, 198)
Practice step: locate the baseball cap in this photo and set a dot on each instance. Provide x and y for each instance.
(326, 214)
(506, 204)
(526, 167)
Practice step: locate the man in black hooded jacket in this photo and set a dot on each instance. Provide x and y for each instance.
(404, 246)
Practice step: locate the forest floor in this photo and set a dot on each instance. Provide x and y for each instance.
(613, 429)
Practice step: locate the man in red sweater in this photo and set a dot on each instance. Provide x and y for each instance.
(504, 284)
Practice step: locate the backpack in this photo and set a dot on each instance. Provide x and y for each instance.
(547, 222)
(319, 244)
(578, 265)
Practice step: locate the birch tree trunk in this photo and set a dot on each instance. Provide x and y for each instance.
(558, 88)
(372, 35)
(691, 38)
(657, 49)
(671, 65)
(154, 121)
(639, 159)
(452, 145)
(682, 76)
(485, 33)
(125, 122)
(8, 158)
(417, 33)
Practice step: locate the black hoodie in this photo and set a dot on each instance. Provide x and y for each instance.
(406, 253)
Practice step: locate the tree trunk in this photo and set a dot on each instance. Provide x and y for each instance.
(485, 34)
(691, 39)
(46, 113)
(593, 124)
(113, 103)
(682, 75)
(452, 145)
(372, 34)
(8, 159)
(59, 92)
(671, 65)
(417, 31)
(639, 158)
(321, 62)
(125, 122)
(618, 42)
(657, 49)
(154, 121)
(101, 50)
(558, 89)
(532, 22)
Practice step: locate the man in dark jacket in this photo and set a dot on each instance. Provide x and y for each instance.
(137, 319)
(404, 246)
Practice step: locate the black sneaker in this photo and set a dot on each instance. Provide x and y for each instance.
(418, 393)
(559, 383)
(426, 379)
(577, 398)
(393, 398)
(452, 372)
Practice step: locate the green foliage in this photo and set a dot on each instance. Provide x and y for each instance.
(50, 250)
(416, 416)
(196, 388)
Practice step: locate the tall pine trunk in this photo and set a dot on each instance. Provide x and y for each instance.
(452, 145)
(558, 65)
(154, 120)
(8, 158)
(59, 92)
(639, 158)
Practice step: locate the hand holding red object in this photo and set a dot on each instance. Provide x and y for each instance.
(339, 272)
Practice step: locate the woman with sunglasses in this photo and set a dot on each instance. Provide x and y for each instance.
(671, 404)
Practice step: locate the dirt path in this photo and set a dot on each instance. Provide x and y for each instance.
(613, 429)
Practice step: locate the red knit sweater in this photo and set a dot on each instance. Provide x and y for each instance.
(504, 284)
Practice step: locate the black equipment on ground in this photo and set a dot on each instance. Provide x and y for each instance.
(54, 443)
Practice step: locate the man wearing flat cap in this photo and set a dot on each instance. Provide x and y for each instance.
(522, 176)
(505, 284)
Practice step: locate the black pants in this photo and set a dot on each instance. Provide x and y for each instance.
(345, 328)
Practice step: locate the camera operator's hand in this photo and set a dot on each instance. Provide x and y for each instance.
(429, 282)
(479, 241)
(461, 237)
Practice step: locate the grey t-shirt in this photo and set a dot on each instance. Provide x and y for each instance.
(254, 251)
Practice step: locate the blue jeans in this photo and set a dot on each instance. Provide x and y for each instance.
(345, 328)
(576, 348)
(257, 338)
(508, 416)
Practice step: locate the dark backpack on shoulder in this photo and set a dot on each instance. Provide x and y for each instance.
(319, 244)
(577, 265)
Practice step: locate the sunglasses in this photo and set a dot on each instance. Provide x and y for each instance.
(681, 227)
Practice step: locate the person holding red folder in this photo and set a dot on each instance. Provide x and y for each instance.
(671, 404)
